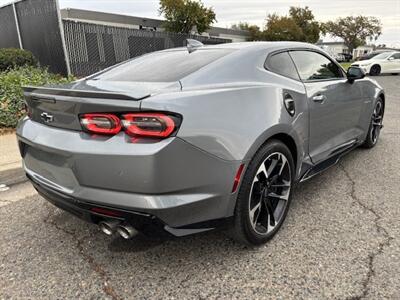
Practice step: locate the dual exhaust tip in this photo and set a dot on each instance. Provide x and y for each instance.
(126, 231)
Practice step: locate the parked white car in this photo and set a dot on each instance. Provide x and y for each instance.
(387, 62)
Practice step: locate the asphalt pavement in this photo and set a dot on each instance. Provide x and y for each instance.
(341, 240)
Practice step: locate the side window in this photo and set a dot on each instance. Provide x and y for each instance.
(396, 56)
(282, 64)
(315, 66)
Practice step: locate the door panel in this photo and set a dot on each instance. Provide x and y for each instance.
(334, 104)
(395, 63)
(387, 66)
(390, 64)
(334, 121)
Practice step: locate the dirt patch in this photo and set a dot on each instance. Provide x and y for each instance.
(4, 131)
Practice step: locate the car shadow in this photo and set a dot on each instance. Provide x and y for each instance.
(218, 238)
(138, 243)
(383, 75)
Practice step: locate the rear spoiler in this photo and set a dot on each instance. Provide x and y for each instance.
(45, 92)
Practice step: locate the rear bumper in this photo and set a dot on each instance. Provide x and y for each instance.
(171, 181)
(145, 223)
(366, 69)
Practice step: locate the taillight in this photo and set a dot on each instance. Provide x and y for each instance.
(101, 123)
(148, 124)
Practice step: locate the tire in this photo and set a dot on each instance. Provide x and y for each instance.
(252, 225)
(375, 70)
(375, 125)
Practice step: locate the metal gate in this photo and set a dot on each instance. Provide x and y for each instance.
(34, 25)
(8, 28)
(75, 47)
(93, 47)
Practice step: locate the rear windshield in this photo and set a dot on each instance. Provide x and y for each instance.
(163, 66)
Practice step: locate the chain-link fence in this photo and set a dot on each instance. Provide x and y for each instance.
(93, 47)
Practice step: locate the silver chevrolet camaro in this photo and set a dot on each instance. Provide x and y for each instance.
(189, 139)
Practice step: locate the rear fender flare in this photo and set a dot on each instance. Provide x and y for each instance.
(273, 131)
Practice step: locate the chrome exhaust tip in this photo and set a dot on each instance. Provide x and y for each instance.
(108, 227)
(126, 231)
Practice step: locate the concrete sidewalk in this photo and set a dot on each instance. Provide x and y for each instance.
(14, 185)
(9, 153)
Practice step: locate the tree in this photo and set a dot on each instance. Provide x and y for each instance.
(299, 25)
(354, 30)
(184, 15)
(281, 29)
(304, 18)
(254, 31)
(241, 26)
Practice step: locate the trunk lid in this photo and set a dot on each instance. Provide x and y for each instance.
(60, 106)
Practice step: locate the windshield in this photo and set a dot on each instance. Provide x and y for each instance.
(165, 66)
(382, 55)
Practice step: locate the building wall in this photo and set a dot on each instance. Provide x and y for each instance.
(335, 48)
(234, 38)
(110, 19)
(362, 50)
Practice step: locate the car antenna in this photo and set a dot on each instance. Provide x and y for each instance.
(193, 45)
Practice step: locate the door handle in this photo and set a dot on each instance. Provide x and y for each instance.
(319, 98)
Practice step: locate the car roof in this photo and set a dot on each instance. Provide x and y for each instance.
(263, 45)
(389, 52)
(383, 51)
(269, 46)
(380, 51)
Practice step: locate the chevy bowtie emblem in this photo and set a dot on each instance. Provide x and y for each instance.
(47, 118)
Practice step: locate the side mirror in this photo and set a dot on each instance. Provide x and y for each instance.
(354, 73)
(391, 58)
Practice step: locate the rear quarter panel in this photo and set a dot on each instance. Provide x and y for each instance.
(371, 91)
(231, 121)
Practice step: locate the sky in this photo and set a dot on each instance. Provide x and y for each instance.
(255, 11)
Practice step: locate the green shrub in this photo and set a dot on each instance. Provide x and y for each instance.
(11, 94)
(11, 58)
(346, 65)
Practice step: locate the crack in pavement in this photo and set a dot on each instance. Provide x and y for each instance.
(107, 288)
(379, 228)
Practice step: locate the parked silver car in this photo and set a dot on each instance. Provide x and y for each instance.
(186, 140)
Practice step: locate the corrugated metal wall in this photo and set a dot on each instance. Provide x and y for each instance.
(93, 47)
